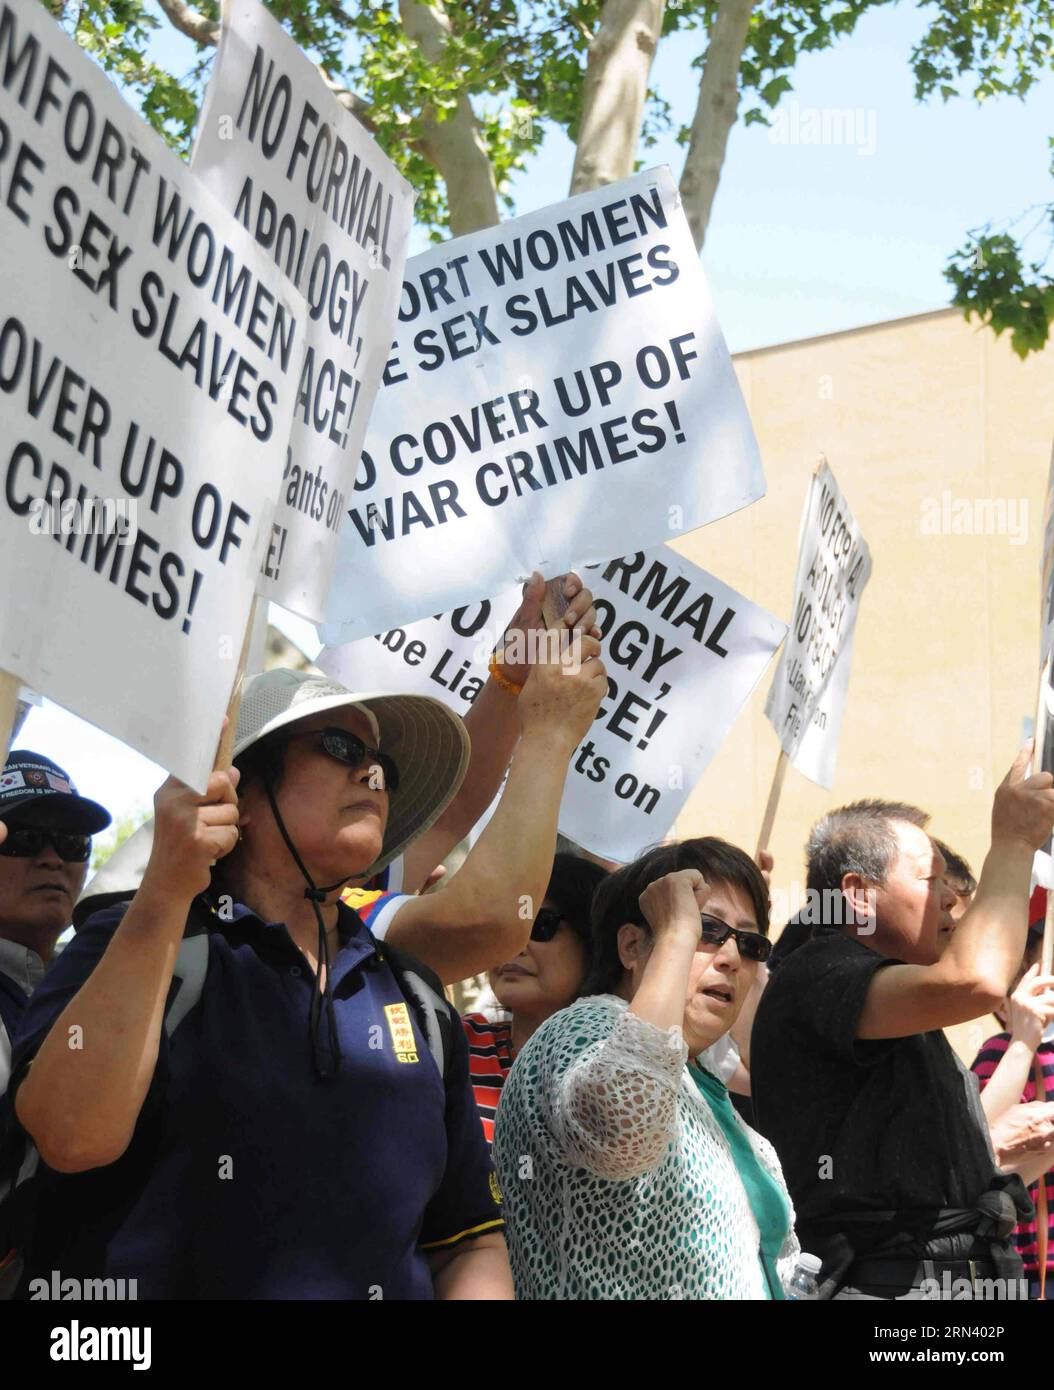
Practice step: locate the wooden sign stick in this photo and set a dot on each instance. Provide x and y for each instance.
(9, 688)
(554, 604)
(226, 744)
(782, 763)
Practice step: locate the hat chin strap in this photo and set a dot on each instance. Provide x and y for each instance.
(321, 999)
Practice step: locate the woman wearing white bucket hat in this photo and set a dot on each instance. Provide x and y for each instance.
(360, 1166)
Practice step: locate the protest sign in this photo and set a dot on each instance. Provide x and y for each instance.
(149, 355)
(559, 391)
(325, 202)
(683, 653)
(806, 702)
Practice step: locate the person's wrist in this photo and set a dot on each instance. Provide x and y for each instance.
(551, 736)
(680, 929)
(510, 680)
(1012, 843)
(169, 884)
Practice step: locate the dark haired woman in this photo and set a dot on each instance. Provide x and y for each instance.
(545, 977)
(626, 1174)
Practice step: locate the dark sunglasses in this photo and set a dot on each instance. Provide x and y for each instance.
(750, 944)
(350, 750)
(546, 924)
(27, 843)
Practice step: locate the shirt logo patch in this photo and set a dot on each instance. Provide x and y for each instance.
(495, 1190)
(402, 1031)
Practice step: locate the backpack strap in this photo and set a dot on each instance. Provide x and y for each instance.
(424, 992)
(188, 979)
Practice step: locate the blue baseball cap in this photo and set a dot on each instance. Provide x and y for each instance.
(36, 791)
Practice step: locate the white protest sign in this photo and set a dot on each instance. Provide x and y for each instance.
(806, 702)
(559, 391)
(444, 656)
(149, 354)
(331, 209)
(683, 653)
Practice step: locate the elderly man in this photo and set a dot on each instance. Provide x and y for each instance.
(45, 842)
(876, 1122)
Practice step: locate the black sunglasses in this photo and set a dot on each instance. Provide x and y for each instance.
(546, 924)
(750, 944)
(350, 750)
(26, 843)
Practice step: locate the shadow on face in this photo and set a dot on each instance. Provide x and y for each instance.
(334, 813)
(545, 977)
(37, 893)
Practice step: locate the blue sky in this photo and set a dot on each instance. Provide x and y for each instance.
(805, 238)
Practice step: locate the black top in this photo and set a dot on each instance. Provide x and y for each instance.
(887, 1125)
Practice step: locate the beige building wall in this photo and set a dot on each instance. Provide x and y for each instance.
(946, 650)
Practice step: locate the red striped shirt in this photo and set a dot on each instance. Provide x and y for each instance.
(1026, 1236)
(489, 1063)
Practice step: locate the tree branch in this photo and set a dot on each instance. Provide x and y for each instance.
(614, 90)
(456, 145)
(715, 113)
(191, 22)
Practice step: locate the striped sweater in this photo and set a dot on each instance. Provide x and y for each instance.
(1026, 1235)
(489, 1063)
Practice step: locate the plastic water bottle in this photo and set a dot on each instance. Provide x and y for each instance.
(802, 1283)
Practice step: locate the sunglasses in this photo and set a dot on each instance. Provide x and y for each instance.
(546, 924)
(350, 750)
(750, 944)
(27, 843)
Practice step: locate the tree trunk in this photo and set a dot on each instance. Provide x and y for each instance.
(456, 144)
(715, 113)
(614, 89)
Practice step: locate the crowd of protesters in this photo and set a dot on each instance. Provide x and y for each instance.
(242, 1076)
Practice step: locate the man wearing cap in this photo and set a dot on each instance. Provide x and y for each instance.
(45, 843)
(293, 1136)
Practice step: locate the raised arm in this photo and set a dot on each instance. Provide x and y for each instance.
(493, 726)
(1031, 1009)
(483, 916)
(615, 1110)
(80, 1105)
(977, 966)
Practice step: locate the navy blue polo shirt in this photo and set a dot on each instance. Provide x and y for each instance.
(247, 1175)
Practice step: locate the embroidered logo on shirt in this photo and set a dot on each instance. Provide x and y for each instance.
(402, 1031)
(495, 1190)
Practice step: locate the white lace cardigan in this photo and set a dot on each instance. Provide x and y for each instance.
(617, 1179)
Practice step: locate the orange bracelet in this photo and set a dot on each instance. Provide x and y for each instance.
(501, 679)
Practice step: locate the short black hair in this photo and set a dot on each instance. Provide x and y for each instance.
(617, 900)
(957, 867)
(856, 839)
(572, 884)
(264, 759)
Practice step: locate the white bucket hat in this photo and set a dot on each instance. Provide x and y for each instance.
(427, 741)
